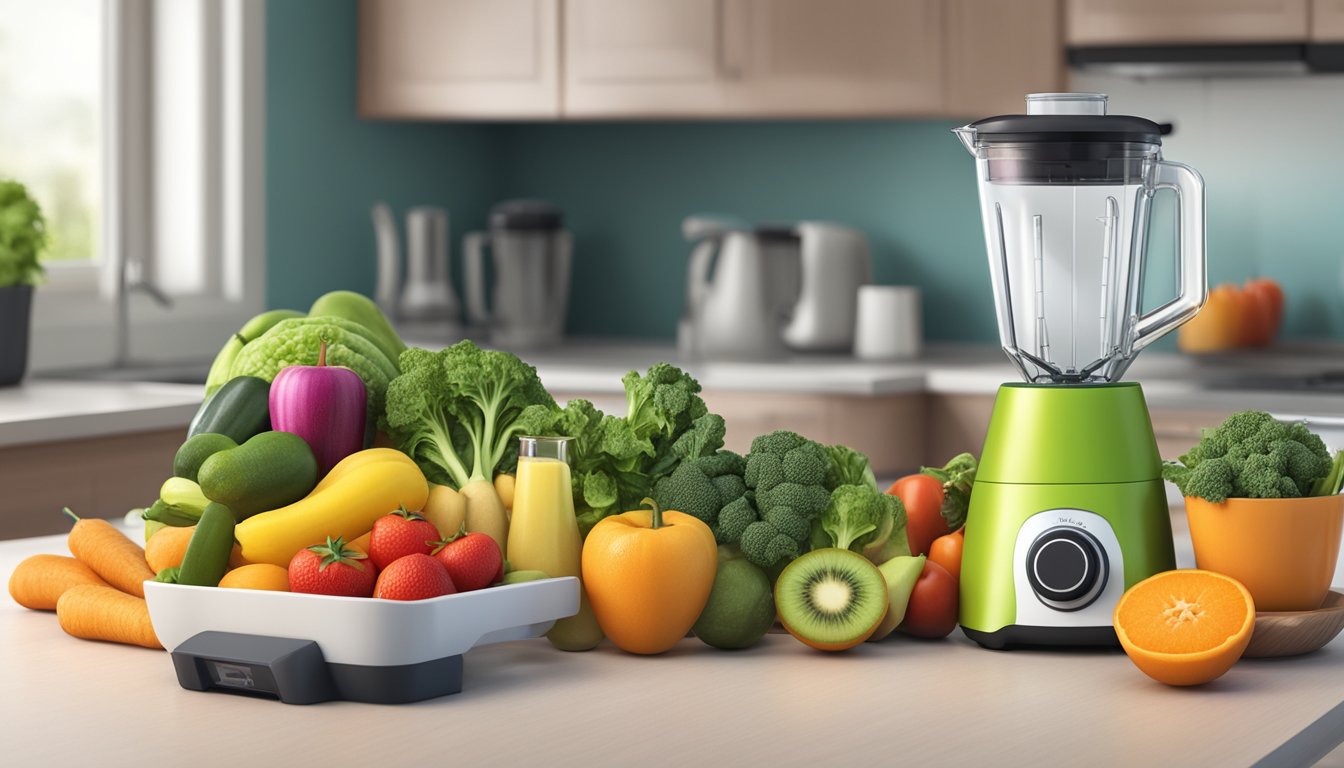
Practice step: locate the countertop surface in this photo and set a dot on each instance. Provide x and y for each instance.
(780, 703)
(45, 408)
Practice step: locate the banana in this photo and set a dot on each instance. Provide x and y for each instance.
(251, 330)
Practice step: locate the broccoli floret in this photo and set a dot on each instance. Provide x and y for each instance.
(785, 474)
(697, 488)
(764, 545)
(456, 411)
(857, 515)
(1251, 455)
(734, 519)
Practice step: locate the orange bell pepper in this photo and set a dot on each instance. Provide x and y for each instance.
(1218, 325)
(648, 575)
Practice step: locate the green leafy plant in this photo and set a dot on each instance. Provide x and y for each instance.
(23, 236)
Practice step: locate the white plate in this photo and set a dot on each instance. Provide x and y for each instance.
(362, 630)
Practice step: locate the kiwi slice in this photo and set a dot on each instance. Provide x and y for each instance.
(831, 599)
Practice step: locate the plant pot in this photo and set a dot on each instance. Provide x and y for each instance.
(16, 303)
(1282, 550)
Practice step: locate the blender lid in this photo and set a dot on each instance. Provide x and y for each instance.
(526, 215)
(1028, 129)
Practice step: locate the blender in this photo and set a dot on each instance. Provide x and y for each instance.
(1068, 508)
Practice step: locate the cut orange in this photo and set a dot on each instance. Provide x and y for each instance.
(1185, 627)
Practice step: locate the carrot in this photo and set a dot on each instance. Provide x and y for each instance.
(103, 613)
(40, 580)
(111, 555)
(166, 548)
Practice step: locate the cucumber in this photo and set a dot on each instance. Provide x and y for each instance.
(207, 556)
(269, 471)
(239, 409)
(193, 453)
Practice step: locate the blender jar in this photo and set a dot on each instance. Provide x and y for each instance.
(1065, 193)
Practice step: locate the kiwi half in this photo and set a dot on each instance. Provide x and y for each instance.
(831, 599)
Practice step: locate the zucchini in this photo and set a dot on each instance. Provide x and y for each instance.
(207, 556)
(269, 471)
(238, 410)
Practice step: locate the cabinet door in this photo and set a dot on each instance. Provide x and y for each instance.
(1145, 22)
(997, 53)
(459, 58)
(1327, 24)
(752, 58)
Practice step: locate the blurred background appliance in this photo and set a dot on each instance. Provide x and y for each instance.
(531, 253)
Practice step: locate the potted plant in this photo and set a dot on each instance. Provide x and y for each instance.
(23, 236)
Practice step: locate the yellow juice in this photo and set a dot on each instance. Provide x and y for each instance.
(544, 536)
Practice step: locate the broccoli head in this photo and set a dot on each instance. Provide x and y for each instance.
(1252, 455)
(861, 519)
(701, 487)
(785, 474)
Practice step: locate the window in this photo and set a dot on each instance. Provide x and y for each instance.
(137, 124)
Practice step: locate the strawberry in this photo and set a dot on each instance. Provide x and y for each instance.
(333, 568)
(472, 559)
(398, 534)
(413, 577)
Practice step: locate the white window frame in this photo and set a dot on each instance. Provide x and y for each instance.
(76, 312)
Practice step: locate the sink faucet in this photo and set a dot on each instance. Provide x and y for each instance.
(126, 284)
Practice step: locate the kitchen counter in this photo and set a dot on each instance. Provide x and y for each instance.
(48, 409)
(524, 703)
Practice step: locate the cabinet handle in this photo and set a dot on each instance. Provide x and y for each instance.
(733, 29)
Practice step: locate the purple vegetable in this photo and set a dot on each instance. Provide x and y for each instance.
(325, 405)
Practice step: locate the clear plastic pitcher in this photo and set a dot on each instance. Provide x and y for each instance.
(1065, 195)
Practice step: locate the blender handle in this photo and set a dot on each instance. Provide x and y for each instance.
(1194, 285)
(473, 276)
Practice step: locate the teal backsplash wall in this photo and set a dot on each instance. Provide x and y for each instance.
(625, 188)
(1272, 174)
(325, 167)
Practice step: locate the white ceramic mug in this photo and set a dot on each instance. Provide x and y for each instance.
(888, 325)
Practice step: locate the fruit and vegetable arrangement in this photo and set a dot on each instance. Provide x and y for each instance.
(328, 458)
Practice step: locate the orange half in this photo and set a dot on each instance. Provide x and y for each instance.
(1185, 627)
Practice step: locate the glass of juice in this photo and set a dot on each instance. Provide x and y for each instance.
(544, 534)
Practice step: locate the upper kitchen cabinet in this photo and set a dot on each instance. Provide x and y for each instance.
(999, 52)
(753, 58)
(1327, 21)
(459, 59)
(1164, 22)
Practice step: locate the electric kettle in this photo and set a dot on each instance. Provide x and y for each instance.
(759, 291)
(740, 311)
(531, 266)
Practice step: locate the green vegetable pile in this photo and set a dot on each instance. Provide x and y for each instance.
(1251, 455)
(616, 460)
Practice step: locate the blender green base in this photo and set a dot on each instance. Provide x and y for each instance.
(1049, 449)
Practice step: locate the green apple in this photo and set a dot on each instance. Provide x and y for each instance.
(901, 573)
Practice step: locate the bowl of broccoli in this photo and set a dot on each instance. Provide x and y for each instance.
(1262, 497)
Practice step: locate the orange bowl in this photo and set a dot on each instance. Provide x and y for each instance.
(1283, 550)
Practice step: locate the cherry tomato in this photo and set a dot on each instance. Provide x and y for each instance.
(932, 610)
(922, 496)
(946, 551)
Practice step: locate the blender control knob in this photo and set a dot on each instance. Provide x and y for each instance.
(1066, 568)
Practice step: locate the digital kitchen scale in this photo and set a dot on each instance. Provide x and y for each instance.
(304, 649)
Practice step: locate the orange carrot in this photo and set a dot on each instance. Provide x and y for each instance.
(111, 555)
(39, 581)
(167, 547)
(103, 613)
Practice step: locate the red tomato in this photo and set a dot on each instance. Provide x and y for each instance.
(922, 496)
(1264, 311)
(932, 610)
(946, 551)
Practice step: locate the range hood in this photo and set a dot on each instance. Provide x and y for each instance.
(1204, 60)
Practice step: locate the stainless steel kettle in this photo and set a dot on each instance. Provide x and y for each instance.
(426, 294)
(772, 288)
(531, 263)
(739, 312)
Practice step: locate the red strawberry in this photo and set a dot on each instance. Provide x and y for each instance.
(473, 560)
(398, 534)
(333, 568)
(413, 577)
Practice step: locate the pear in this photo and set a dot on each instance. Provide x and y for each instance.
(900, 573)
